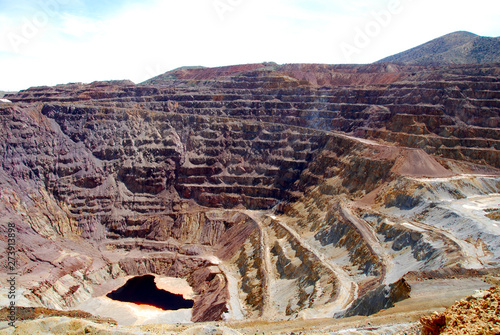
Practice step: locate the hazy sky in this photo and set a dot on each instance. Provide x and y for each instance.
(47, 42)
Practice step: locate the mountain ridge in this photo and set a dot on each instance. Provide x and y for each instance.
(459, 47)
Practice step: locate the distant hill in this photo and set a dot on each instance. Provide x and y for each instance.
(456, 48)
(201, 73)
(4, 93)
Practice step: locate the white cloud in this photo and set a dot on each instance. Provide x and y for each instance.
(146, 39)
(79, 27)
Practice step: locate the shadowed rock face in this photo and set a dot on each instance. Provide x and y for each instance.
(275, 191)
(380, 298)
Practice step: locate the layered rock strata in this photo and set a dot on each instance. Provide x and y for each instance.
(277, 192)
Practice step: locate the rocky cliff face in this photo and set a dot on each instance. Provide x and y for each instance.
(277, 192)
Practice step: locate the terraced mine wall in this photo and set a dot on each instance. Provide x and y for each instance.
(449, 111)
(322, 180)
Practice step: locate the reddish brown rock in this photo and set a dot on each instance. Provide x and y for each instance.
(113, 179)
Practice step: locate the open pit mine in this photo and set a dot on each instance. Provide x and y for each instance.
(247, 199)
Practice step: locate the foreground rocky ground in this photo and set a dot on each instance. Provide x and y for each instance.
(295, 198)
(478, 314)
(475, 314)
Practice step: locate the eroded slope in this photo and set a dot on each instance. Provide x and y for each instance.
(277, 192)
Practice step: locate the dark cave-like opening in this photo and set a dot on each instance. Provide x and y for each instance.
(143, 290)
